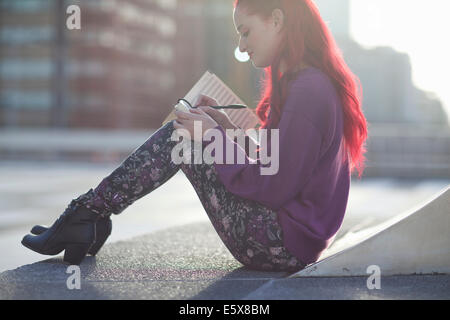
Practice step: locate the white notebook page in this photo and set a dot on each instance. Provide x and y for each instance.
(210, 85)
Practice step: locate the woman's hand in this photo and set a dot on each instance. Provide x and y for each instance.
(204, 102)
(185, 120)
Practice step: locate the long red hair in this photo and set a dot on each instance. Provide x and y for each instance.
(309, 40)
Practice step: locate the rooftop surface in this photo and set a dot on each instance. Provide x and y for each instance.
(190, 262)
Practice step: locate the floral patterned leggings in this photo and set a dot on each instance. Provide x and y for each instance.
(248, 229)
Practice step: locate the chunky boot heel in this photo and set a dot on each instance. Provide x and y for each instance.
(75, 252)
(103, 229)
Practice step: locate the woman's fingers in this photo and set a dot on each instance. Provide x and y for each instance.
(201, 99)
(196, 110)
(200, 111)
(204, 100)
(180, 114)
(213, 113)
(178, 125)
(187, 120)
(187, 115)
(207, 115)
(208, 110)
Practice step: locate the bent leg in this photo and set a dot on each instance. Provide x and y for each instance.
(249, 230)
(144, 170)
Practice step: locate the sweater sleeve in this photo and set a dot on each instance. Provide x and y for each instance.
(299, 147)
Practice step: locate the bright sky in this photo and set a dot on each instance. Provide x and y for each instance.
(417, 27)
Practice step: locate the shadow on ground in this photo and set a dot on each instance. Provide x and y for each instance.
(188, 262)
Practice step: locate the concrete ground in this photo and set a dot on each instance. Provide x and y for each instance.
(190, 262)
(163, 247)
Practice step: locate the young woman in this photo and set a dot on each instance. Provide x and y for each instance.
(279, 222)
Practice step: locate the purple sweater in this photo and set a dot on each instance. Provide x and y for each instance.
(310, 190)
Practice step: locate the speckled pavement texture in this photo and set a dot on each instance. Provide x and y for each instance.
(190, 262)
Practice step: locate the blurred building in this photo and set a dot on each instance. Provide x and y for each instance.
(389, 93)
(26, 67)
(409, 136)
(336, 13)
(132, 59)
(386, 75)
(123, 69)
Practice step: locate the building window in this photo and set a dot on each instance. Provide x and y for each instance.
(29, 99)
(25, 5)
(15, 69)
(89, 68)
(26, 35)
(163, 24)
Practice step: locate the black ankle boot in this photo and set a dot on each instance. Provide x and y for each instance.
(74, 231)
(103, 229)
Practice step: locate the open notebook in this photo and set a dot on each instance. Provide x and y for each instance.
(210, 85)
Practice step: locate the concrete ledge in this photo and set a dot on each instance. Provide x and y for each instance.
(414, 242)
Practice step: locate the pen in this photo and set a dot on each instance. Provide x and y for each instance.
(231, 106)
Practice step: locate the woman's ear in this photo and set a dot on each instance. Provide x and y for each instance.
(278, 19)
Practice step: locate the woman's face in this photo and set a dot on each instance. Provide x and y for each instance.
(260, 38)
